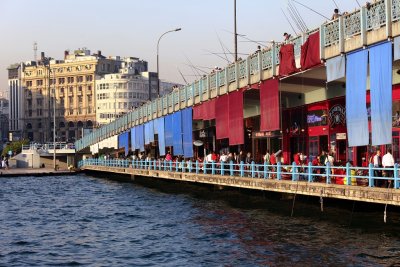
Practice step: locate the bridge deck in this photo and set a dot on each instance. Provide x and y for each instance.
(358, 193)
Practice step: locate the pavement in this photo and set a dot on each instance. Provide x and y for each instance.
(33, 171)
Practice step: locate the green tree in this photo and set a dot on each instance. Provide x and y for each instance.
(15, 147)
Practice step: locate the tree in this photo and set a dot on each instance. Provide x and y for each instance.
(15, 147)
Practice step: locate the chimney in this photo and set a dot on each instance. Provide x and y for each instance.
(41, 55)
(99, 53)
(66, 53)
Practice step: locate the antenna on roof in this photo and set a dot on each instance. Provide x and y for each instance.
(35, 51)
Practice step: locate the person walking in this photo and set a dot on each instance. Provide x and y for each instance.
(377, 161)
(388, 162)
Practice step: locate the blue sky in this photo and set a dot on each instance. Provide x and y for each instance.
(132, 28)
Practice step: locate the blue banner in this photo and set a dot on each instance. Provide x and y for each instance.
(151, 131)
(146, 133)
(380, 64)
(133, 139)
(356, 104)
(168, 128)
(187, 133)
(177, 133)
(137, 138)
(141, 137)
(161, 137)
(123, 142)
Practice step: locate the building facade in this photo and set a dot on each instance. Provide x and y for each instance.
(118, 93)
(71, 82)
(4, 127)
(16, 97)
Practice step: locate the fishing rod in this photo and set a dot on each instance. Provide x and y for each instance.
(298, 16)
(336, 4)
(183, 77)
(192, 65)
(289, 22)
(309, 8)
(248, 39)
(223, 49)
(215, 54)
(358, 4)
(299, 26)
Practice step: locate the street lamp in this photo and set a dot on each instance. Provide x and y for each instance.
(158, 70)
(46, 63)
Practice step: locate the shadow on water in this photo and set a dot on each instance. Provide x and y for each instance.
(367, 217)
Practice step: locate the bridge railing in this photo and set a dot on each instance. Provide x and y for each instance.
(347, 33)
(342, 175)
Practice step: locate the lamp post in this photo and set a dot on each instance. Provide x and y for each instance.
(46, 63)
(158, 70)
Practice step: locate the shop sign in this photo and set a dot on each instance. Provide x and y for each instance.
(266, 134)
(337, 115)
(202, 134)
(317, 118)
(341, 136)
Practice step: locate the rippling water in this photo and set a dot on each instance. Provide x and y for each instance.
(80, 220)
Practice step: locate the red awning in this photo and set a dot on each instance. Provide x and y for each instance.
(222, 117)
(236, 128)
(209, 109)
(287, 64)
(310, 55)
(269, 105)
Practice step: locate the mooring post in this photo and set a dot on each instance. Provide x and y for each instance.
(328, 173)
(278, 171)
(371, 175)
(265, 169)
(294, 171)
(309, 172)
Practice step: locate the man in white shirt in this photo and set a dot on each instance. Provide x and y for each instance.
(377, 161)
(388, 162)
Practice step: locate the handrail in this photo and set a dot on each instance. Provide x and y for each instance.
(341, 175)
(378, 15)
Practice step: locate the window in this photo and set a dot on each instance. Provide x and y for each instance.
(39, 82)
(108, 67)
(39, 102)
(80, 79)
(89, 88)
(29, 83)
(39, 112)
(71, 90)
(89, 78)
(89, 99)
(61, 80)
(70, 100)
(80, 98)
(62, 101)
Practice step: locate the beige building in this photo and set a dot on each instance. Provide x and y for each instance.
(72, 81)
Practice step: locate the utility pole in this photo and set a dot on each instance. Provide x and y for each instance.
(235, 30)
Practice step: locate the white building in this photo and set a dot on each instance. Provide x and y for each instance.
(16, 98)
(118, 93)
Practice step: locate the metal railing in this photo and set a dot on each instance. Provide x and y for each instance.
(341, 175)
(378, 15)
